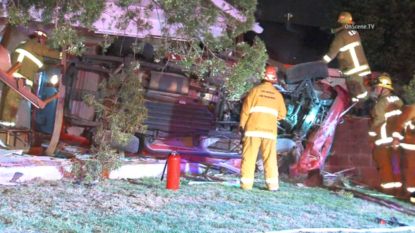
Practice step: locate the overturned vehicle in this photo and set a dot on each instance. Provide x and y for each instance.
(195, 117)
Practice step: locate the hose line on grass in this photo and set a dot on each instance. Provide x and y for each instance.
(397, 229)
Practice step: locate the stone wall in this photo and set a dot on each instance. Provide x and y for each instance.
(351, 149)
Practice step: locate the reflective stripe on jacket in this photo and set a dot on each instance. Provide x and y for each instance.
(347, 46)
(30, 54)
(263, 108)
(28, 82)
(405, 128)
(384, 117)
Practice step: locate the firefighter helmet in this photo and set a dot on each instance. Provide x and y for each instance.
(40, 34)
(345, 18)
(384, 81)
(270, 74)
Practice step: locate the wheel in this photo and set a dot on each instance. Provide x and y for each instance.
(309, 70)
(131, 146)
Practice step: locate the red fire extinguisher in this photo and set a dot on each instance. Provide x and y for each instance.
(173, 172)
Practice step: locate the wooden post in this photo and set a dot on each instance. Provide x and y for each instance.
(59, 110)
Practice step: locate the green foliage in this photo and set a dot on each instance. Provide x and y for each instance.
(250, 65)
(62, 14)
(106, 43)
(121, 108)
(198, 43)
(199, 16)
(122, 113)
(104, 159)
(389, 46)
(66, 35)
(84, 12)
(409, 92)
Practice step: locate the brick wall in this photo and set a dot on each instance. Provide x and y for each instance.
(351, 149)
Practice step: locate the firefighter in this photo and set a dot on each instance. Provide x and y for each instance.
(384, 116)
(30, 54)
(353, 66)
(262, 109)
(404, 136)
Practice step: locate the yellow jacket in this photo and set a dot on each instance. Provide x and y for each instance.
(384, 116)
(347, 46)
(31, 55)
(405, 125)
(263, 108)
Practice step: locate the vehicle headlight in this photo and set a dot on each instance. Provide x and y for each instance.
(54, 80)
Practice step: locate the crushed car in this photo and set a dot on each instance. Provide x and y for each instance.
(196, 118)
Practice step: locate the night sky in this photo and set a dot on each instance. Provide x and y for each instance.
(301, 41)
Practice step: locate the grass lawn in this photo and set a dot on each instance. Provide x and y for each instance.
(120, 206)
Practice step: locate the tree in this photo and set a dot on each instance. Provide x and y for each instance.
(192, 21)
(409, 91)
(389, 46)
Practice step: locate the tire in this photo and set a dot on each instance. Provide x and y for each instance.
(131, 147)
(309, 70)
(123, 47)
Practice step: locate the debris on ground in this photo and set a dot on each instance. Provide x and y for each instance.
(16, 177)
(4, 152)
(314, 179)
(65, 150)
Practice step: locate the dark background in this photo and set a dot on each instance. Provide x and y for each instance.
(390, 47)
(305, 38)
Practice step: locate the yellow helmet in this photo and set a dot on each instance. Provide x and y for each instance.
(384, 81)
(345, 18)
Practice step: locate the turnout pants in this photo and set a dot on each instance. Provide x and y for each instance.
(251, 146)
(356, 87)
(409, 169)
(11, 101)
(388, 163)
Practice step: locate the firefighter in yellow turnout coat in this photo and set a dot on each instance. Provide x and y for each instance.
(348, 49)
(262, 109)
(384, 118)
(30, 54)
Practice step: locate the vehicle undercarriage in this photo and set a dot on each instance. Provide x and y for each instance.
(182, 108)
